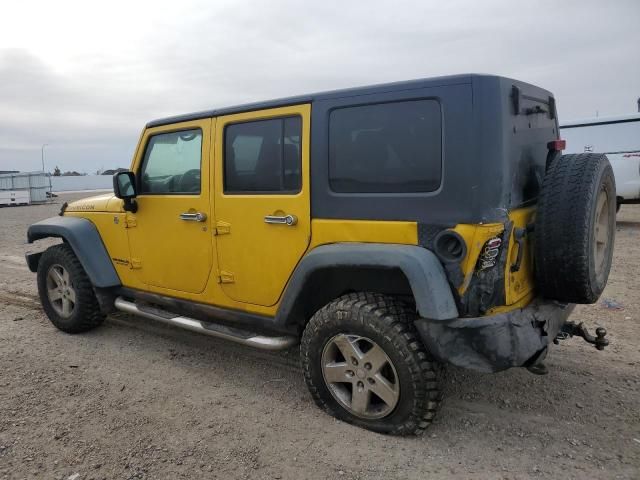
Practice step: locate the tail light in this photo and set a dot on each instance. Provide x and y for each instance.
(557, 145)
(489, 254)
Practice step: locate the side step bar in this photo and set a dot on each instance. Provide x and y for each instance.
(235, 335)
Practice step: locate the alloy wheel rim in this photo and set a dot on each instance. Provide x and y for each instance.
(60, 291)
(601, 230)
(360, 376)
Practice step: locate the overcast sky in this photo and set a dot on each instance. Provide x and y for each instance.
(84, 77)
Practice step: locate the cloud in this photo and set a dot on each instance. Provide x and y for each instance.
(86, 86)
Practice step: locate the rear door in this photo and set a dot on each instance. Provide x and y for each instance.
(261, 203)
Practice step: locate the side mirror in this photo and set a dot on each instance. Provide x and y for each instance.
(124, 186)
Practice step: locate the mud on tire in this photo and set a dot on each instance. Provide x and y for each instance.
(575, 228)
(388, 323)
(85, 313)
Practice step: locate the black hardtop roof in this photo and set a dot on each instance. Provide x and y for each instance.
(365, 90)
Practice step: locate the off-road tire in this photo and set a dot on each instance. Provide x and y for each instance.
(565, 263)
(388, 322)
(86, 313)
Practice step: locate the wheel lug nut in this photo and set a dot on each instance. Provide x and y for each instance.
(360, 385)
(349, 373)
(354, 361)
(367, 366)
(371, 381)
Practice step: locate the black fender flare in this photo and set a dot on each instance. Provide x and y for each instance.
(84, 238)
(422, 269)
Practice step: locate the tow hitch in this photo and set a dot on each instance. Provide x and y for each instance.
(571, 329)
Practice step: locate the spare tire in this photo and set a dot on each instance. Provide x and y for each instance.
(575, 228)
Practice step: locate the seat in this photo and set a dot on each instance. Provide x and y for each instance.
(267, 173)
(291, 167)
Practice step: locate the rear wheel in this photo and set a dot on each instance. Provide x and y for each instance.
(66, 293)
(360, 376)
(364, 364)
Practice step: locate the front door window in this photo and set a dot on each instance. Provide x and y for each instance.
(172, 163)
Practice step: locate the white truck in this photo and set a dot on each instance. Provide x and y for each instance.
(619, 138)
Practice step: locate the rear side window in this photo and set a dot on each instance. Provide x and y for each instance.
(386, 148)
(172, 163)
(263, 156)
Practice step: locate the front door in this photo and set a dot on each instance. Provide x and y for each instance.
(169, 235)
(262, 205)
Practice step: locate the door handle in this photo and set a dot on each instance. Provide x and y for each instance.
(193, 217)
(289, 220)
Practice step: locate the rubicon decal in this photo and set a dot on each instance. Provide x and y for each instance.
(80, 208)
(489, 255)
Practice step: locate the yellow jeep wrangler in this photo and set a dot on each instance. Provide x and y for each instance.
(385, 229)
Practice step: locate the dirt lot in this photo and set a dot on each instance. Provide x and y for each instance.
(133, 399)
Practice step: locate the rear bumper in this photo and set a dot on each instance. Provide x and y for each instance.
(493, 343)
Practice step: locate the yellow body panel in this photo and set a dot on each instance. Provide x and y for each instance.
(519, 285)
(98, 203)
(372, 231)
(256, 259)
(112, 228)
(323, 231)
(522, 302)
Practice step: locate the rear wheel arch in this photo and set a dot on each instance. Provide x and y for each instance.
(329, 283)
(329, 271)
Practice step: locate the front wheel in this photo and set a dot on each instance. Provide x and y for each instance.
(364, 364)
(66, 293)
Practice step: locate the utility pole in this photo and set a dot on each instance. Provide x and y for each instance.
(43, 145)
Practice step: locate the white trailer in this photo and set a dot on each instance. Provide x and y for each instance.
(618, 138)
(14, 197)
(24, 188)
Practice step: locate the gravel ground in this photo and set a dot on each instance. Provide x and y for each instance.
(134, 399)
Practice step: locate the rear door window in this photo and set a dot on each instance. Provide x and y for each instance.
(263, 156)
(386, 148)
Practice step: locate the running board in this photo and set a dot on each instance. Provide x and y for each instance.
(215, 330)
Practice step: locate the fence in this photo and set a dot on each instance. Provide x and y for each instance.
(84, 182)
(34, 187)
